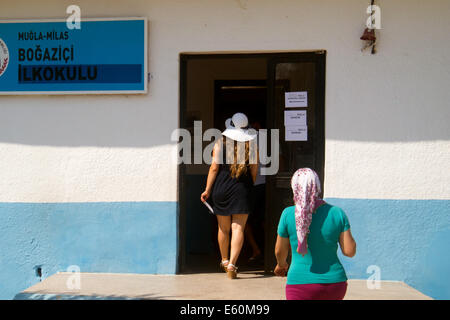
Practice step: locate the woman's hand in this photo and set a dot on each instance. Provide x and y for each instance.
(204, 196)
(281, 253)
(281, 271)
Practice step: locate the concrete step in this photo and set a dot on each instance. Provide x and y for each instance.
(215, 286)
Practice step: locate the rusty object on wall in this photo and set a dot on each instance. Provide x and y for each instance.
(369, 36)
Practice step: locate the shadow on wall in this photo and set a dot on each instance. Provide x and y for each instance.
(94, 120)
(383, 108)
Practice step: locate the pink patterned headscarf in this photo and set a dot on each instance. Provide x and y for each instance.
(306, 188)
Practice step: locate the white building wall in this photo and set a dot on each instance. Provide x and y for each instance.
(387, 133)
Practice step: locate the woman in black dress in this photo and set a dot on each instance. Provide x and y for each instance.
(231, 176)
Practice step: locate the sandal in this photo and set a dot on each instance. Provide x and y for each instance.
(224, 265)
(232, 271)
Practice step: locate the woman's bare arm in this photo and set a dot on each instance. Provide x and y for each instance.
(347, 243)
(281, 253)
(212, 174)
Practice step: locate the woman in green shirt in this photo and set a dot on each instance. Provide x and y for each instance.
(313, 229)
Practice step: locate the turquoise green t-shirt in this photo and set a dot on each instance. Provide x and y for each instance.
(321, 264)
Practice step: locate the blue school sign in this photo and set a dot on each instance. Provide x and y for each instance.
(44, 56)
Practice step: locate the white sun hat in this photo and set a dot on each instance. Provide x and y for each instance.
(237, 128)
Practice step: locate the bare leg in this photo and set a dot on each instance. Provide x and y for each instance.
(252, 241)
(223, 236)
(237, 235)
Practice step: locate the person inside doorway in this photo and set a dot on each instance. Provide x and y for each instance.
(258, 203)
(229, 184)
(313, 229)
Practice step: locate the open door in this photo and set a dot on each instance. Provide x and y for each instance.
(294, 72)
(213, 87)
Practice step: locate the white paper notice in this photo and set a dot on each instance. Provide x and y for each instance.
(296, 133)
(209, 207)
(295, 118)
(296, 99)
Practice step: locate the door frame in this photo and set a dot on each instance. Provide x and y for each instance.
(271, 56)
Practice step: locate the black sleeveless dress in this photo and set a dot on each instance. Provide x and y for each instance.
(230, 195)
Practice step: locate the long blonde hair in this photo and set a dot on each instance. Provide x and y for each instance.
(237, 166)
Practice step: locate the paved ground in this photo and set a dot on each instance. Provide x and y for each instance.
(206, 286)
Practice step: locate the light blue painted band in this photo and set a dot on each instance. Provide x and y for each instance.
(122, 237)
(407, 239)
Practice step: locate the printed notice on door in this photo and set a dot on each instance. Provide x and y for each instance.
(296, 133)
(295, 118)
(296, 99)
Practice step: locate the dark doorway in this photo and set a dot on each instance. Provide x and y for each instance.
(212, 88)
(249, 97)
